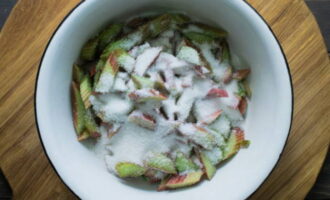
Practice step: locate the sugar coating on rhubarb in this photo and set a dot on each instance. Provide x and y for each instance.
(165, 101)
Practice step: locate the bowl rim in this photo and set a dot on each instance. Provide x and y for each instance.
(79, 4)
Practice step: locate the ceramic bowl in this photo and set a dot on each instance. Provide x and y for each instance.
(268, 118)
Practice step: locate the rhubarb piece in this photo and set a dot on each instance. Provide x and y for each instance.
(217, 92)
(183, 164)
(179, 18)
(234, 143)
(160, 161)
(89, 50)
(112, 129)
(179, 181)
(198, 135)
(156, 26)
(141, 119)
(228, 75)
(85, 135)
(107, 35)
(124, 60)
(107, 77)
(98, 71)
(151, 29)
(212, 31)
(215, 155)
(193, 54)
(138, 21)
(144, 60)
(190, 55)
(86, 90)
(78, 110)
(120, 83)
(143, 95)
(137, 50)
(208, 166)
(222, 125)
(241, 74)
(142, 82)
(111, 107)
(242, 105)
(197, 37)
(205, 112)
(171, 63)
(154, 176)
(91, 125)
(77, 74)
(225, 52)
(211, 117)
(126, 43)
(247, 88)
(219, 138)
(127, 169)
(243, 89)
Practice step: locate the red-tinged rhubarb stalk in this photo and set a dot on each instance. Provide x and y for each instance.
(107, 77)
(179, 181)
(242, 105)
(217, 92)
(125, 61)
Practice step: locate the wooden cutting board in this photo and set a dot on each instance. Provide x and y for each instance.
(30, 26)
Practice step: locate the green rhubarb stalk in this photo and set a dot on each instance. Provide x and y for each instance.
(212, 31)
(161, 162)
(183, 163)
(78, 110)
(91, 125)
(86, 90)
(77, 74)
(108, 35)
(225, 55)
(197, 37)
(208, 166)
(127, 169)
(89, 50)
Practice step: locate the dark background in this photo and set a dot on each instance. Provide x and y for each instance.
(321, 10)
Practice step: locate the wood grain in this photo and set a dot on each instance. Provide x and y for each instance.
(30, 26)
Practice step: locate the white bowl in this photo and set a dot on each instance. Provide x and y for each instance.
(269, 112)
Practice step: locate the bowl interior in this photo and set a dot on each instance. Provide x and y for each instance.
(268, 118)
